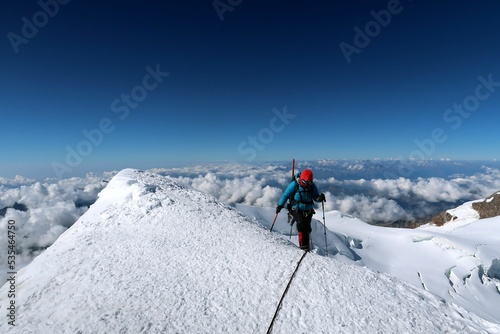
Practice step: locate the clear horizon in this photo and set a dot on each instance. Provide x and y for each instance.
(41, 173)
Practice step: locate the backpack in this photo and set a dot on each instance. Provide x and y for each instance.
(293, 201)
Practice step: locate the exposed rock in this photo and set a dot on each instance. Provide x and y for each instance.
(443, 218)
(406, 223)
(488, 208)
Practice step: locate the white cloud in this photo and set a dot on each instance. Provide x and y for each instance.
(17, 181)
(374, 200)
(248, 190)
(371, 209)
(431, 189)
(438, 190)
(52, 207)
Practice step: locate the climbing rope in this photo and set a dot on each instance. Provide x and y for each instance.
(284, 293)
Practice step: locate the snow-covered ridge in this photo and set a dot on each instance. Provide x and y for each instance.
(488, 208)
(471, 211)
(153, 257)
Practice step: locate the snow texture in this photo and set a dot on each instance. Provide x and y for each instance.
(153, 257)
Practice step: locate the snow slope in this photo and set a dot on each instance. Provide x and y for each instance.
(459, 261)
(152, 257)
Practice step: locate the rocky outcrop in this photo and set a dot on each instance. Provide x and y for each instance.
(488, 208)
(443, 218)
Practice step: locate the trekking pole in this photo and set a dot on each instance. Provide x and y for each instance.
(289, 215)
(324, 226)
(291, 225)
(293, 169)
(274, 221)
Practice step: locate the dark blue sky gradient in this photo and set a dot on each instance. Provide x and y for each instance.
(226, 77)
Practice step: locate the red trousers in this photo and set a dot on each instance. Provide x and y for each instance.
(303, 219)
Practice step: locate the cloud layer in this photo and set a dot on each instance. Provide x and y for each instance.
(54, 205)
(375, 200)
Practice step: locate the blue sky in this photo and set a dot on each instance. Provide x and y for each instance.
(270, 81)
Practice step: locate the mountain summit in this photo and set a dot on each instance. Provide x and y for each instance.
(153, 257)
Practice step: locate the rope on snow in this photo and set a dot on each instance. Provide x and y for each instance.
(284, 293)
